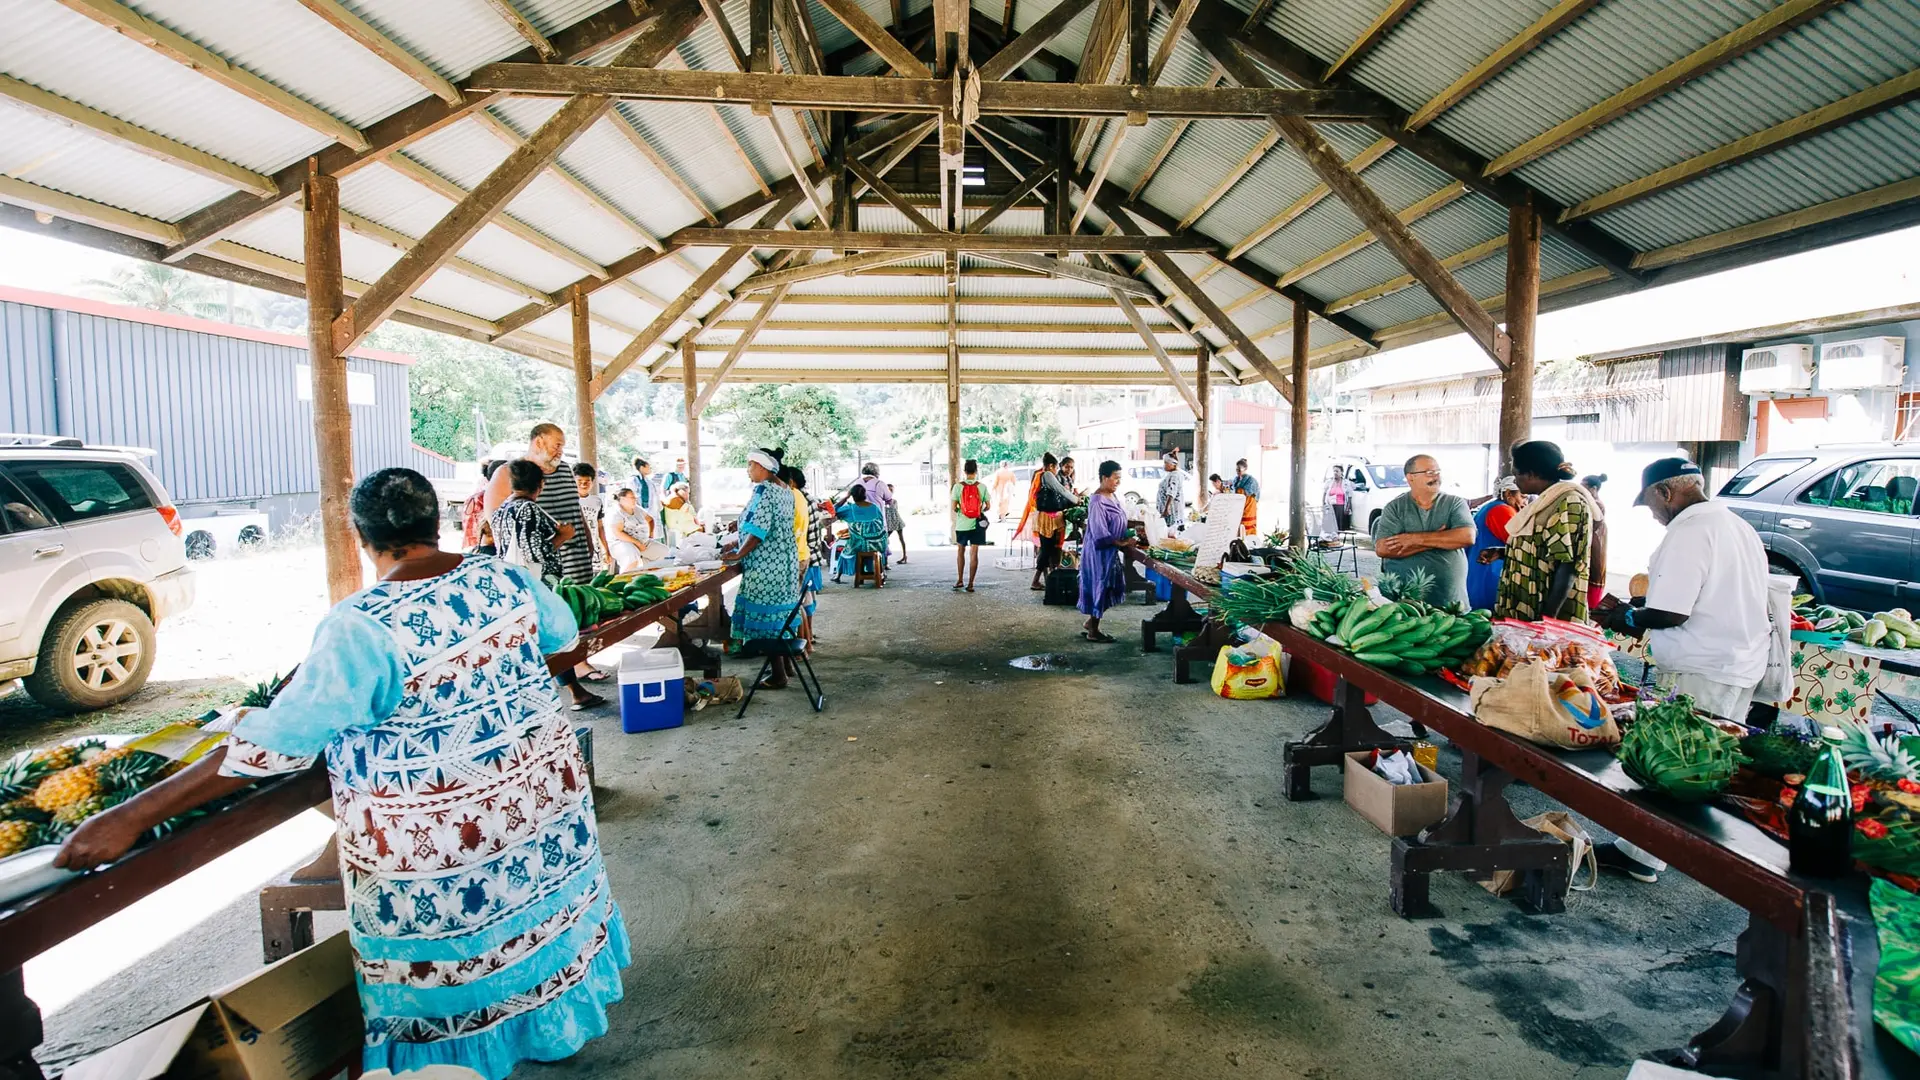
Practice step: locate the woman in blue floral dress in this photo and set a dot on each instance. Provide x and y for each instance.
(483, 928)
(769, 559)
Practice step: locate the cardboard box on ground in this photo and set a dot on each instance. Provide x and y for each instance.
(296, 1020)
(1395, 809)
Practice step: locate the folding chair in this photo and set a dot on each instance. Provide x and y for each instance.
(792, 646)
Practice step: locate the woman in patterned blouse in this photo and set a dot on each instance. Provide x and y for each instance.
(484, 931)
(1550, 543)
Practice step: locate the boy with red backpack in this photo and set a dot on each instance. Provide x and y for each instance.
(970, 506)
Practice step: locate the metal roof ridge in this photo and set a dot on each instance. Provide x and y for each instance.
(1819, 324)
(191, 323)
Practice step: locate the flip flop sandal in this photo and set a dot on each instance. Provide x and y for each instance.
(957, 588)
(597, 676)
(1098, 639)
(593, 701)
(969, 588)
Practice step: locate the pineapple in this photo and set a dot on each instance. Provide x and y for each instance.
(22, 809)
(17, 836)
(129, 774)
(1873, 758)
(19, 777)
(55, 758)
(74, 813)
(262, 693)
(66, 787)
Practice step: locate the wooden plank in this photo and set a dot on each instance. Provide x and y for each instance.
(1313, 265)
(366, 36)
(831, 268)
(1127, 308)
(1875, 199)
(1374, 34)
(1073, 272)
(60, 204)
(668, 317)
(1474, 254)
(829, 326)
(443, 319)
(400, 241)
(879, 94)
(797, 167)
(1249, 352)
(1521, 310)
(738, 349)
(689, 381)
(940, 350)
(876, 37)
(580, 187)
(583, 379)
(327, 367)
(1099, 176)
(1894, 92)
(1297, 432)
(760, 35)
(1709, 57)
(1176, 25)
(894, 198)
(625, 126)
(452, 232)
(137, 28)
(512, 17)
(1306, 202)
(1027, 186)
(74, 115)
(697, 236)
(1547, 25)
(1139, 16)
(1233, 176)
(446, 188)
(1025, 47)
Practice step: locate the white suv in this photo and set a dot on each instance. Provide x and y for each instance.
(90, 560)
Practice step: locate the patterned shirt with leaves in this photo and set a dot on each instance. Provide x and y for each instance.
(1561, 533)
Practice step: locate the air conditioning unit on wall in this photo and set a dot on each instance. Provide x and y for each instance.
(1862, 363)
(1776, 367)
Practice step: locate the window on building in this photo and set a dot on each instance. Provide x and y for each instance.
(1884, 486)
(1906, 422)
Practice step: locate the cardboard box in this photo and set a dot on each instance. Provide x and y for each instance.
(296, 1020)
(1397, 810)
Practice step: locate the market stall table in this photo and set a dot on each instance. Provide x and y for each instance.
(33, 925)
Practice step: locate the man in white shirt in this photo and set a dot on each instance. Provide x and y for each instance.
(1705, 612)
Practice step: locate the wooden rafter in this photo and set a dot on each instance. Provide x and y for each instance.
(796, 166)
(1159, 351)
(1894, 92)
(1173, 138)
(1509, 53)
(1073, 272)
(1234, 175)
(399, 241)
(1100, 175)
(45, 200)
(1880, 198)
(1028, 44)
(831, 268)
(154, 145)
(336, 15)
(668, 317)
(1375, 33)
(1714, 54)
(626, 127)
(698, 236)
(899, 202)
(1028, 185)
(1176, 25)
(831, 326)
(1484, 250)
(876, 37)
(738, 349)
(1429, 327)
(1360, 242)
(447, 189)
(512, 17)
(137, 28)
(1304, 203)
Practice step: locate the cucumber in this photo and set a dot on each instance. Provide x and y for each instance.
(1894, 640)
(1313, 631)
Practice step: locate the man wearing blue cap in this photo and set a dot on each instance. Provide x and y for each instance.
(1705, 612)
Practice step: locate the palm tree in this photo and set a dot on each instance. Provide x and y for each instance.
(159, 287)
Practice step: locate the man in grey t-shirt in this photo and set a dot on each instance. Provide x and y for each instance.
(1426, 529)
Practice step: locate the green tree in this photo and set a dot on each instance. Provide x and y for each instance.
(159, 287)
(810, 422)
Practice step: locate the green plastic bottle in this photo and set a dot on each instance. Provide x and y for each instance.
(1820, 822)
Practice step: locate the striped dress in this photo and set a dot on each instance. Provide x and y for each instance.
(561, 498)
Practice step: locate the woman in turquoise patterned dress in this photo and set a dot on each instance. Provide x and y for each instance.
(769, 558)
(483, 929)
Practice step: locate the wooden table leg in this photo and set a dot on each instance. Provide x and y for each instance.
(288, 902)
(1761, 1029)
(20, 1029)
(1480, 835)
(1178, 617)
(1350, 728)
(1203, 649)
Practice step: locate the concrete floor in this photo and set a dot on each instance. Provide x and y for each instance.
(963, 869)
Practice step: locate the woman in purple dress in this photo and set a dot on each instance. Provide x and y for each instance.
(1102, 585)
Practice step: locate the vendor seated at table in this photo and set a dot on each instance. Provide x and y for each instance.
(1705, 612)
(626, 531)
(1426, 529)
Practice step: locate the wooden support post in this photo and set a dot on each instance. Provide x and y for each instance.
(332, 418)
(1297, 496)
(760, 35)
(953, 368)
(1203, 389)
(1523, 305)
(690, 385)
(1063, 170)
(583, 380)
(1139, 14)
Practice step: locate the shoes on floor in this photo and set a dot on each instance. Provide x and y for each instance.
(1612, 858)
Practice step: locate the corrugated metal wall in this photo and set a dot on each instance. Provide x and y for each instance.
(224, 414)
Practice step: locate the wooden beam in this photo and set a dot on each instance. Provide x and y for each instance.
(1173, 138)
(1233, 176)
(759, 35)
(1439, 325)
(399, 241)
(1202, 420)
(1714, 54)
(452, 232)
(1878, 198)
(937, 375)
(512, 17)
(363, 33)
(45, 200)
(1028, 44)
(1127, 308)
(589, 443)
(830, 326)
(797, 167)
(327, 367)
(876, 37)
(1522, 308)
(696, 236)
(737, 349)
(1139, 17)
(1100, 176)
(952, 269)
(444, 320)
(1072, 272)
(878, 94)
(447, 189)
(1306, 202)
(1297, 489)
(137, 28)
(1474, 254)
(1313, 265)
(1894, 92)
(831, 268)
(580, 187)
(1027, 186)
(1547, 25)
(689, 384)
(1176, 25)
(894, 198)
(625, 126)
(671, 315)
(1374, 34)
(74, 115)
(1221, 321)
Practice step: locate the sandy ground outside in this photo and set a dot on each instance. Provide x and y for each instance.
(965, 869)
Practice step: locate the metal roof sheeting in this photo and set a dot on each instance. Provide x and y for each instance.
(49, 153)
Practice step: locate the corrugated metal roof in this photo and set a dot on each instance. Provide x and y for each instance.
(1453, 228)
(451, 36)
(48, 153)
(1439, 41)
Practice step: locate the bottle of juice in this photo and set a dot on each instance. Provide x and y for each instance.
(1820, 822)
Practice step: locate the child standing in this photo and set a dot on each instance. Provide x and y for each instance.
(527, 535)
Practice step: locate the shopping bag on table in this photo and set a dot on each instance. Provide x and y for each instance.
(1561, 826)
(1247, 672)
(1553, 708)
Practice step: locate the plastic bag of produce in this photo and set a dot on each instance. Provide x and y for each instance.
(1562, 645)
(1248, 671)
(1539, 704)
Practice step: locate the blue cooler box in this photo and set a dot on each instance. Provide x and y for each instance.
(652, 694)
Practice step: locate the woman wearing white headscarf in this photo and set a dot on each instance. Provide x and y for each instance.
(769, 558)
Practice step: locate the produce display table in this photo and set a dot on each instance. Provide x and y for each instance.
(1178, 617)
(39, 922)
(609, 632)
(1838, 682)
(1807, 956)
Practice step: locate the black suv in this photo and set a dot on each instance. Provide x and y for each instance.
(1840, 517)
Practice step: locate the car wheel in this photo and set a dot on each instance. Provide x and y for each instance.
(1372, 520)
(1784, 565)
(252, 536)
(200, 544)
(1133, 498)
(94, 654)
